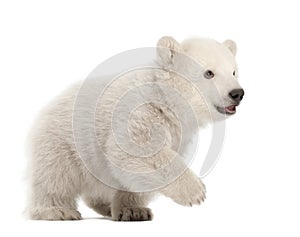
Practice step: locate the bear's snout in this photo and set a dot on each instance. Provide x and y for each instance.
(237, 95)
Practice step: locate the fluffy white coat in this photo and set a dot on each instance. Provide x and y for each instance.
(58, 176)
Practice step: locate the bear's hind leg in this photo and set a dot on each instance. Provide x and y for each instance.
(53, 207)
(53, 191)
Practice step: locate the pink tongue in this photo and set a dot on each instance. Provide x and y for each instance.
(230, 109)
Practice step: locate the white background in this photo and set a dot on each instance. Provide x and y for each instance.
(253, 190)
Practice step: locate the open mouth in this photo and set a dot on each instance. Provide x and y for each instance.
(227, 110)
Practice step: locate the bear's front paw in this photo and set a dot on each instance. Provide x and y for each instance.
(187, 192)
(133, 214)
(192, 194)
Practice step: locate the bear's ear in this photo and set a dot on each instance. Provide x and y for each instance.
(167, 47)
(231, 45)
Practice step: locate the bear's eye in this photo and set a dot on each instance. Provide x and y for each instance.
(209, 74)
(233, 73)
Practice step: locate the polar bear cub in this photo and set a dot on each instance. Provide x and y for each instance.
(142, 134)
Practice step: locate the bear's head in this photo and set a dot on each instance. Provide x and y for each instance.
(210, 66)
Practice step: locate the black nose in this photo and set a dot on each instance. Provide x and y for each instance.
(237, 95)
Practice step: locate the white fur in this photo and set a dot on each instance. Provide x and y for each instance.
(57, 174)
